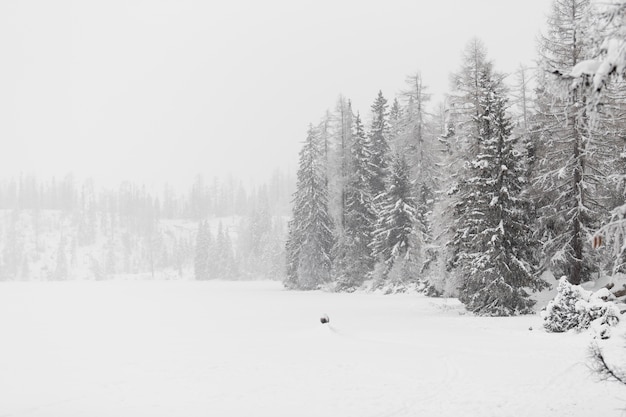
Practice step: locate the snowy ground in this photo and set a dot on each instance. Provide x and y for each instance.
(133, 349)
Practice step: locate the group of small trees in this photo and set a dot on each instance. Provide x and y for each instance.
(214, 258)
(470, 195)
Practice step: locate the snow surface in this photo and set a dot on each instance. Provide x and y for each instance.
(181, 348)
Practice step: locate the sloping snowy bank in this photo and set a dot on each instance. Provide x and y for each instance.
(75, 349)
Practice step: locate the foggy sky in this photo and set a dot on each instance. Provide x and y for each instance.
(159, 90)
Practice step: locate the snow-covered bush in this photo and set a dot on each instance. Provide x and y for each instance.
(576, 308)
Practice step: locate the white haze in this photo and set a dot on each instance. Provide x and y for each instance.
(157, 90)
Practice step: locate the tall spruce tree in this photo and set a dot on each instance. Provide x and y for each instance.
(395, 234)
(493, 240)
(459, 144)
(378, 136)
(310, 239)
(354, 260)
(226, 265)
(201, 260)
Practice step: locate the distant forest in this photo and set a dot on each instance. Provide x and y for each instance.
(58, 229)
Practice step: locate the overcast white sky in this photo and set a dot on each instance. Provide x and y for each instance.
(163, 89)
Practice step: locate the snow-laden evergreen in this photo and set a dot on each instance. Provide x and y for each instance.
(396, 236)
(202, 270)
(225, 265)
(378, 136)
(575, 308)
(310, 240)
(354, 261)
(493, 241)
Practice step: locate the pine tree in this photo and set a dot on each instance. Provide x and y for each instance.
(493, 240)
(255, 235)
(459, 144)
(354, 259)
(395, 234)
(378, 136)
(226, 266)
(395, 122)
(310, 239)
(203, 242)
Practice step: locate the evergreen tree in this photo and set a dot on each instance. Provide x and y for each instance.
(378, 136)
(203, 243)
(395, 234)
(226, 266)
(310, 238)
(255, 236)
(354, 260)
(493, 240)
(395, 122)
(459, 144)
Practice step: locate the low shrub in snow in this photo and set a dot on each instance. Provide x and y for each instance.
(576, 308)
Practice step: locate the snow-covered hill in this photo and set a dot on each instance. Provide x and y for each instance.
(184, 348)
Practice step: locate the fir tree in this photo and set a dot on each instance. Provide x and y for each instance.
(394, 237)
(395, 122)
(224, 255)
(378, 136)
(354, 260)
(203, 243)
(310, 240)
(459, 141)
(493, 241)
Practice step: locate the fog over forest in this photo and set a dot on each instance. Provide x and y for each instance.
(70, 230)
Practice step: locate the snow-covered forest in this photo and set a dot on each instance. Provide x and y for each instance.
(74, 230)
(510, 176)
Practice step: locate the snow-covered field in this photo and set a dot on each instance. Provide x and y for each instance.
(185, 349)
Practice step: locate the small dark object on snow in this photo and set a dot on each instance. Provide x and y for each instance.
(324, 319)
